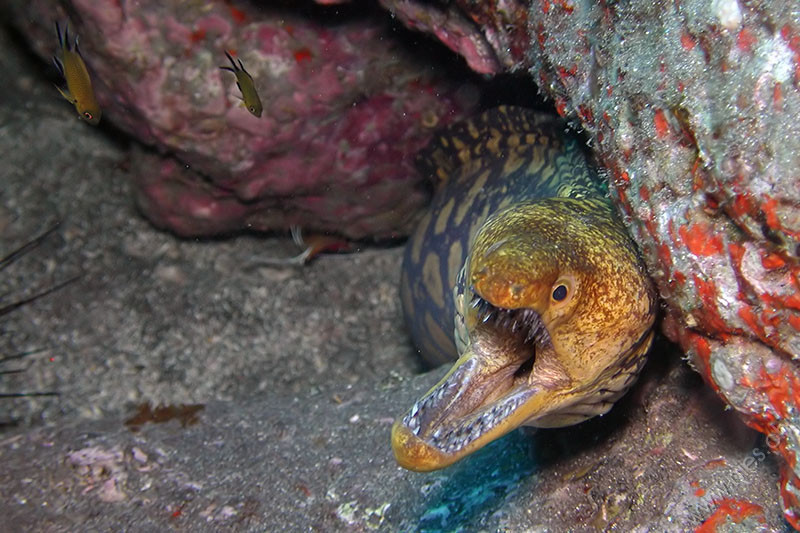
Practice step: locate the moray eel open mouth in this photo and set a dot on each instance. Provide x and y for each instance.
(479, 399)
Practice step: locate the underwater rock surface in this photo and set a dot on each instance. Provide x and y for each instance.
(665, 461)
(694, 107)
(346, 107)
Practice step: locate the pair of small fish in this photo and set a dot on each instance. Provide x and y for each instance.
(79, 91)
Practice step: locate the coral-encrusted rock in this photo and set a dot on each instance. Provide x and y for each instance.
(695, 109)
(345, 110)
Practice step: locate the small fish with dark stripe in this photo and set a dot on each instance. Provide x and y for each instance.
(246, 85)
(79, 91)
(523, 271)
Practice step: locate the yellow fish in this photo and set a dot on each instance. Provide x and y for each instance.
(79, 90)
(246, 85)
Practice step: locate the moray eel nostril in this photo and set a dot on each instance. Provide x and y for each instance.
(524, 273)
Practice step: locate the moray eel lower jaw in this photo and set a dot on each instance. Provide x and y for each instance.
(534, 357)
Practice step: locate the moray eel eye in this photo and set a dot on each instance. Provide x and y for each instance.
(559, 293)
(87, 115)
(563, 291)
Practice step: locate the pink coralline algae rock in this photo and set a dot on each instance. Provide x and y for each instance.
(694, 107)
(346, 107)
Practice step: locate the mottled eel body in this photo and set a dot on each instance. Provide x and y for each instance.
(523, 253)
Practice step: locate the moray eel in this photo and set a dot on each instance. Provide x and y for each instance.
(522, 270)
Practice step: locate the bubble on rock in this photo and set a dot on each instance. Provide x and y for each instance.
(728, 13)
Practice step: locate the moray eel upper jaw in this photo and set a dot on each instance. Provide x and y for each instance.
(559, 319)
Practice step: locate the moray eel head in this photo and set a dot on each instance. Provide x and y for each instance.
(559, 313)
